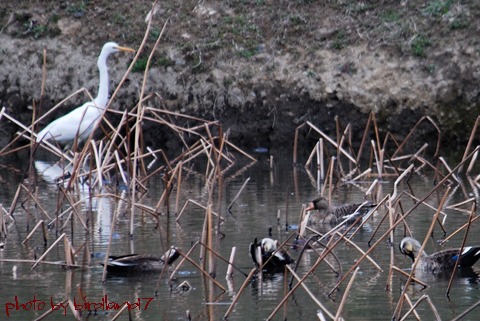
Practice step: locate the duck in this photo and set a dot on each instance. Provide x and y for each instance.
(269, 248)
(334, 214)
(141, 263)
(439, 261)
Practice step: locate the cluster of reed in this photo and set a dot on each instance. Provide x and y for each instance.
(390, 206)
(115, 154)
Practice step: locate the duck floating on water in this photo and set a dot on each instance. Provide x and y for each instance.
(140, 263)
(439, 261)
(268, 248)
(334, 214)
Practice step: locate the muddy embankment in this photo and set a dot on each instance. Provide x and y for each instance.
(260, 100)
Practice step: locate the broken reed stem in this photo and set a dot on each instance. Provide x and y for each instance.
(48, 312)
(238, 194)
(14, 203)
(423, 297)
(202, 270)
(209, 239)
(230, 308)
(472, 163)
(199, 205)
(329, 174)
(319, 260)
(35, 200)
(470, 140)
(179, 184)
(397, 181)
(168, 182)
(440, 223)
(240, 150)
(40, 223)
(107, 254)
(165, 266)
(467, 311)
(63, 264)
(139, 118)
(344, 297)
(320, 305)
(460, 252)
(321, 159)
(458, 230)
(312, 153)
(117, 315)
(412, 131)
(411, 305)
(74, 209)
(179, 265)
(285, 291)
(68, 252)
(361, 251)
(444, 162)
(230, 263)
(221, 257)
(394, 268)
(48, 250)
(331, 141)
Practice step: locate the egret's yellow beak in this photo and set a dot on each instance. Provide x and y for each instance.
(125, 49)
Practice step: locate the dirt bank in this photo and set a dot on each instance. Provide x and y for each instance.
(260, 67)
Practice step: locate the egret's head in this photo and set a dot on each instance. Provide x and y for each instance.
(111, 47)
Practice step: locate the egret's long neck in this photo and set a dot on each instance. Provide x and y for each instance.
(102, 97)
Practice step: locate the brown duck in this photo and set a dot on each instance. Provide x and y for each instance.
(334, 214)
(439, 261)
(140, 263)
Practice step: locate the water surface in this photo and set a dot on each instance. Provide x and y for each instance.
(254, 212)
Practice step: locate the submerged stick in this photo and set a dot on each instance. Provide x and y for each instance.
(461, 249)
(238, 195)
(344, 297)
(230, 263)
(40, 223)
(203, 271)
(47, 251)
(112, 229)
(239, 293)
(423, 297)
(321, 306)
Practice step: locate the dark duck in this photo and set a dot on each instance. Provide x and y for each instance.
(269, 249)
(334, 214)
(139, 263)
(441, 261)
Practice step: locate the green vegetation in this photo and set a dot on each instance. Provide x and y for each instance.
(227, 81)
(237, 29)
(437, 8)
(78, 7)
(419, 44)
(340, 40)
(141, 63)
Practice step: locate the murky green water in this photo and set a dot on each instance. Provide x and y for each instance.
(253, 213)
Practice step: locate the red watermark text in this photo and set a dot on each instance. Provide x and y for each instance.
(104, 305)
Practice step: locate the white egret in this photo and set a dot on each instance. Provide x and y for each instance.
(82, 120)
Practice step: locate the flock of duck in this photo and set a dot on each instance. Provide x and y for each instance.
(78, 125)
(267, 253)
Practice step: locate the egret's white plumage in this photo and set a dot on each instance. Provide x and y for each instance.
(81, 121)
